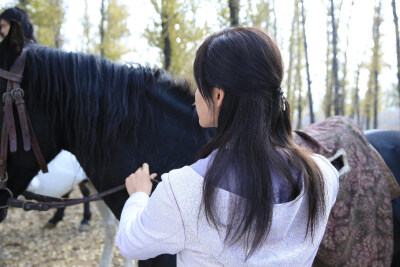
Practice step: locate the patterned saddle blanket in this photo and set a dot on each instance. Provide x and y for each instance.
(360, 228)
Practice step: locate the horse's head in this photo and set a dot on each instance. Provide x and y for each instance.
(21, 165)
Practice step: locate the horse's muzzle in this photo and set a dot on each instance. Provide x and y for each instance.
(5, 194)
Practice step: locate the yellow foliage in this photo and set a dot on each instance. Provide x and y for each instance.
(47, 17)
(184, 34)
(116, 31)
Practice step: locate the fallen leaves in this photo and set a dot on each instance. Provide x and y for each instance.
(24, 242)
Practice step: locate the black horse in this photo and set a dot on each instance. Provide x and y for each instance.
(111, 117)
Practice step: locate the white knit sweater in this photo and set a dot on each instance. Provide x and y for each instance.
(169, 223)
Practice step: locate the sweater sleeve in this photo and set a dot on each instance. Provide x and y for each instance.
(150, 226)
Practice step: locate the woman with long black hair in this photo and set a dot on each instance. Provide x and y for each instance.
(20, 16)
(254, 198)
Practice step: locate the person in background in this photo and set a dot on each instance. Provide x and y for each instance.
(19, 15)
(254, 198)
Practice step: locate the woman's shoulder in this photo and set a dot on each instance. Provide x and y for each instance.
(329, 174)
(182, 178)
(201, 165)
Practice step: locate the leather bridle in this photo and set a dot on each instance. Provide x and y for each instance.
(14, 95)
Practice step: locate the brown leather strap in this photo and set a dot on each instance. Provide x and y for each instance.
(16, 94)
(3, 154)
(14, 77)
(10, 76)
(19, 64)
(8, 110)
(22, 114)
(36, 148)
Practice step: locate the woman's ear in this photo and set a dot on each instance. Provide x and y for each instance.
(218, 95)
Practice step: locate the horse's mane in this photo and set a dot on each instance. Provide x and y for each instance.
(104, 101)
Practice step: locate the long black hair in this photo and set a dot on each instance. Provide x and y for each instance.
(20, 15)
(254, 134)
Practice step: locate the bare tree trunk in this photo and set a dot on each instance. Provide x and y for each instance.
(328, 79)
(298, 79)
(275, 24)
(234, 7)
(102, 20)
(299, 108)
(310, 100)
(376, 92)
(86, 29)
(23, 3)
(396, 24)
(291, 59)
(355, 110)
(165, 34)
(58, 38)
(299, 98)
(343, 83)
(367, 109)
(376, 64)
(334, 62)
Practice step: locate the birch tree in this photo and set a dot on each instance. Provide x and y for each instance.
(294, 81)
(261, 15)
(234, 8)
(344, 77)
(47, 16)
(176, 33)
(87, 45)
(309, 94)
(327, 103)
(396, 24)
(335, 69)
(114, 31)
(290, 95)
(371, 98)
(376, 61)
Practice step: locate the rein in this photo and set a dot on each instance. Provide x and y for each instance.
(45, 202)
(15, 95)
(55, 203)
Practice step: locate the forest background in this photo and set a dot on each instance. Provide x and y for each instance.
(342, 57)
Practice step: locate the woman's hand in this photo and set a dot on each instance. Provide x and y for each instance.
(140, 180)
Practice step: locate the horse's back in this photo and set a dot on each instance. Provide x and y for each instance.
(387, 143)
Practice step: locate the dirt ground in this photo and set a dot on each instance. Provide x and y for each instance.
(24, 242)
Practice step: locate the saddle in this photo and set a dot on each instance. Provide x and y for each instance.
(361, 221)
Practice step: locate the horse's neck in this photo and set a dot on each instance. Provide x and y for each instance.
(99, 123)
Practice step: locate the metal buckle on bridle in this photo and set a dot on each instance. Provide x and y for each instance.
(4, 181)
(11, 196)
(5, 94)
(19, 89)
